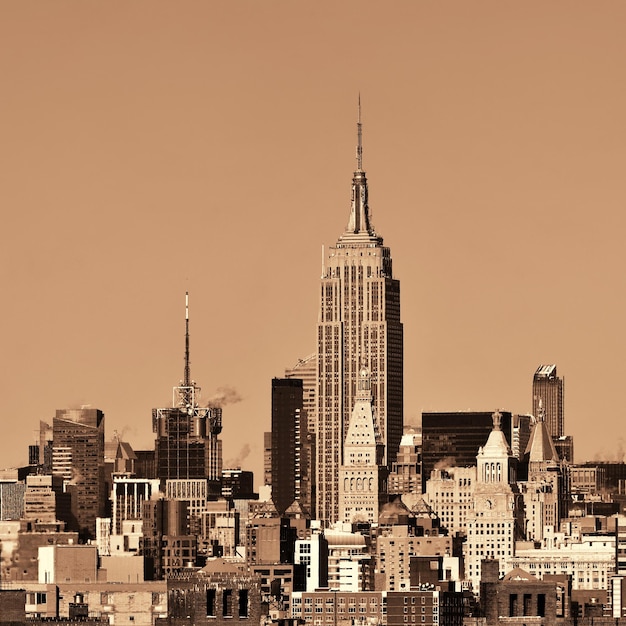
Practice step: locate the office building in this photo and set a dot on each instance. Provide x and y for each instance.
(290, 449)
(78, 457)
(548, 389)
(187, 445)
(127, 497)
(450, 493)
(359, 324)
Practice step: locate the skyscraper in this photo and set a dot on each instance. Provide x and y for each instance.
(548, 389)
(290, 450)
(78, 456)
(187, 444)
(359, 325)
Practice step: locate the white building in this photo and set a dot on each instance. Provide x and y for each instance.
(313, 553)
(493, 524)
(348, 560)
(361, 479)
(590, 561)
(450, 494)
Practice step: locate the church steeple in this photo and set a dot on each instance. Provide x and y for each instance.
(359, 221)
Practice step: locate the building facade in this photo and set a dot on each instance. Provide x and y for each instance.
(289, 446)
(362, 479)
(494, 522)
(78, 456)
(359, 323)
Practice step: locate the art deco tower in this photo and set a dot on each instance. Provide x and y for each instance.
(359, 324)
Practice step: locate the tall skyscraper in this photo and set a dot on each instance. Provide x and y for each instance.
(548, 388)
(187, 444)
(290, 448)
(78, 457)
(359, 325)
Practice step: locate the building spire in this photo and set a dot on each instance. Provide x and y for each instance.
(359, 226)
(359, 144)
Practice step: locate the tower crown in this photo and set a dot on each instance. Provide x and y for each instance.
(359, 225)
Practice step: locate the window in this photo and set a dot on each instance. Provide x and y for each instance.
(210, 602)
(541, 605)
(243, 603)
(227, 603)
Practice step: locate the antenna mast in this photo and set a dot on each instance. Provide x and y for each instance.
(359, 145)
(187, 378)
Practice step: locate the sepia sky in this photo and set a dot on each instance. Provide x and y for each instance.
(153, 147)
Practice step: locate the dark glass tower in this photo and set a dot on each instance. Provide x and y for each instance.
(288, 444)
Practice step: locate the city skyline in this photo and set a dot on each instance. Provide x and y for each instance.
(149, 151)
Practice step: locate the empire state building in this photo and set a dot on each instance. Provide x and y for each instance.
(358, 326)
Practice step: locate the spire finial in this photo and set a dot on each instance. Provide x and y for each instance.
(359, 145)
(187, 379)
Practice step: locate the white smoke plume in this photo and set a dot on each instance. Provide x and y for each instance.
(238, 460)
(223, 396)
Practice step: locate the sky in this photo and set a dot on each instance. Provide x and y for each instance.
(149, 148)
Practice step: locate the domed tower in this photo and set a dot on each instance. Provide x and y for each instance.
(494, 524)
